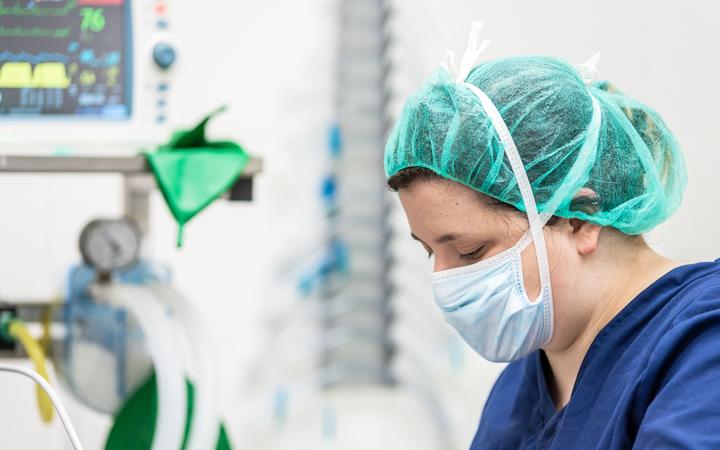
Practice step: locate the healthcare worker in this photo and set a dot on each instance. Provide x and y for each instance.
(531, 185)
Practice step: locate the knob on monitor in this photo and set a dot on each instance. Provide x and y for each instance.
(164, 55)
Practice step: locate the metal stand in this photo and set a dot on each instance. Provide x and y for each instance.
(365, 353)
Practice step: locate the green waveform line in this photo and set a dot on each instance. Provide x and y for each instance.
(35, 32)
(18, 10)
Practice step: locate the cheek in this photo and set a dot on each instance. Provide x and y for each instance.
(560, 261)
(565, 265)
(531, 277)
(564, 261)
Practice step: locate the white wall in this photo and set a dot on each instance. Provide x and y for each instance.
(271, 62)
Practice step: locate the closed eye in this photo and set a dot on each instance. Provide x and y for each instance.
(475, 254)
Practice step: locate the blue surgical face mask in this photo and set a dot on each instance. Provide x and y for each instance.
(487, 304)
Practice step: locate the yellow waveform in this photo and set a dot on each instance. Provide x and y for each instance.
(49, 75)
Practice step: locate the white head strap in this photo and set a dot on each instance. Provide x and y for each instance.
(588, 69)
(474, 48)
(588, 72)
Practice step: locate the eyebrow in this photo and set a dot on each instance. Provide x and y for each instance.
(442, 239)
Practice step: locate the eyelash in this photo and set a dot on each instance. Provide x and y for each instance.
(473, 254)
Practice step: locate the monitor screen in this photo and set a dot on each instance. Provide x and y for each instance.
(65, 58)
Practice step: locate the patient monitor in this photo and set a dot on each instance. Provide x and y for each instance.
(85, 73)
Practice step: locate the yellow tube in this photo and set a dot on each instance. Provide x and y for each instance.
(46, 322)
(19, 331)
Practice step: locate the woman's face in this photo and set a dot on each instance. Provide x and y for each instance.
(457, 228)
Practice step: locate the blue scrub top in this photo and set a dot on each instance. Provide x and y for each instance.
(650, 380)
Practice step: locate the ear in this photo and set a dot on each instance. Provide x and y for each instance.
(586, 236)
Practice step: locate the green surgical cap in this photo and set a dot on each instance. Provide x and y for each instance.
(625, 163)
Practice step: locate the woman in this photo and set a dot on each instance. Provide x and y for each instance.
(531, 186)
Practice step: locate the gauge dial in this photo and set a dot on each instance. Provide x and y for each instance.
(110, 244)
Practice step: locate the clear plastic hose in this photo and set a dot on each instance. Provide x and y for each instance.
(205, 426)
(165, 353)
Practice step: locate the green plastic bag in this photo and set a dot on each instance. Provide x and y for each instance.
(192, 172)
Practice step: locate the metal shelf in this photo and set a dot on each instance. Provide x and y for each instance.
(125, 165)
(135, 170)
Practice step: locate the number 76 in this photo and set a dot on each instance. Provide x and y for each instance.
(92, 19)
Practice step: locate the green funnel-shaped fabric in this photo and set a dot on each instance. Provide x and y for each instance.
(192, 172)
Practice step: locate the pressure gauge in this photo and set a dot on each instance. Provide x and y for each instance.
(109, 245)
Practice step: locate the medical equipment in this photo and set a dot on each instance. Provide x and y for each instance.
(361, 203)
(108, 324)
(68, 64)
(110, 244)
(102, 356)
(139, 310)
(97, 78)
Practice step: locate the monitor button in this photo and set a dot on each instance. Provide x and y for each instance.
(164, 55)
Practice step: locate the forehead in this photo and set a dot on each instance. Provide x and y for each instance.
(434, 206)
